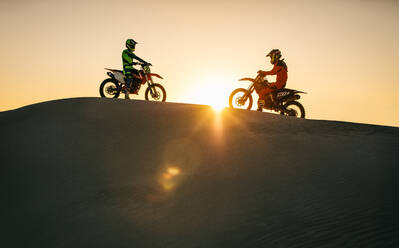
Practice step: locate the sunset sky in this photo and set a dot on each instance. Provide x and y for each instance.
(344, 53)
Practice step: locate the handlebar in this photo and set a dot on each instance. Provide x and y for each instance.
(142, 64)
(259, 76)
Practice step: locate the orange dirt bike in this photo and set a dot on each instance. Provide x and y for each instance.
(282, 100)
(115, 84)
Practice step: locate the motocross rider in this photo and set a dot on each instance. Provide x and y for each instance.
(264, 90)
(131, 74)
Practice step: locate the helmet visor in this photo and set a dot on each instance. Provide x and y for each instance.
(131, 46)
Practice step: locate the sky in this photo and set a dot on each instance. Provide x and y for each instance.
(343, 53)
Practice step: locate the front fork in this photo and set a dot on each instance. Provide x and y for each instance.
(250, 89)
(150, 83)
(242, 100)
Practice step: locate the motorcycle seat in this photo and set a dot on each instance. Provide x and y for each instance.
(114, 70)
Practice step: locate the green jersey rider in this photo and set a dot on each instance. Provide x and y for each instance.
(131, 75)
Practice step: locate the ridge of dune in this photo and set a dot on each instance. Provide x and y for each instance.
(92, 172)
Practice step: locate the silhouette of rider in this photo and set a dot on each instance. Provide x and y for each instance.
(265, 90)
(131, 75)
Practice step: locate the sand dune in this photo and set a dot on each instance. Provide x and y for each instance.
(90, 172)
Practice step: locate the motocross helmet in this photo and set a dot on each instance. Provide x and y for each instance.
(274, 55)
(131, 44)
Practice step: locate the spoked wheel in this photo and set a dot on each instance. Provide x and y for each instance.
(241, 98)
(294, 108)
(157, 93)
(109, 88)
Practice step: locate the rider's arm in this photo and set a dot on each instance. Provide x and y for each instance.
(272, 71)
(129, 57)
(139, 59)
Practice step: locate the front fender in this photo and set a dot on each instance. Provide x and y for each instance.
(156, 75)
(247, 79)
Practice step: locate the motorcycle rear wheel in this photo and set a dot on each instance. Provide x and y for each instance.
(159, 93)
(110, 88)
(293, 108)
(237, 99)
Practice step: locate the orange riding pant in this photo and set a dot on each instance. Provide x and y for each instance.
(267, 90)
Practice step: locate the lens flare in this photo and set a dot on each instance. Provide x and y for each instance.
(173, 171)
(170, 178)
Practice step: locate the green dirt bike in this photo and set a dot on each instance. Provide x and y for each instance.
(115, 84)
(283, 101)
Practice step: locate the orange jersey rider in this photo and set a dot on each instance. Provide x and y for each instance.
(281, 72)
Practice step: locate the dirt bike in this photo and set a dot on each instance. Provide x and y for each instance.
(282, 100)
(115, 84)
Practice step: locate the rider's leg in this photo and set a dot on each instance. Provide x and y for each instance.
(128, 85)
(276, 86)
(258, 86)
(262, 92)
(136, 82)
(128, 80)
(263, 97)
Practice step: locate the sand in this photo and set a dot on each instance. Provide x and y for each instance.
(91, 172)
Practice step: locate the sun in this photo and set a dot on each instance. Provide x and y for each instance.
(212, 92)
(218, 106)
(216, 100)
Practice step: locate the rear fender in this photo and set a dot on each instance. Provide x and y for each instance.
(295, 97)
(111, 75)
(116, 74)
(289, 98)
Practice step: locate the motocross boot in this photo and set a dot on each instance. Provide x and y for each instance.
(273, 102)
(261, 104)
(126, 91)
(129, 82)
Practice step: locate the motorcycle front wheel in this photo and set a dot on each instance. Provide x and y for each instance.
(110, 88)
(158, 93)
(240, 98)
(293, 108)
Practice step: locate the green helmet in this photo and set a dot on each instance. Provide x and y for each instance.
(274, 55)
(131, 44)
